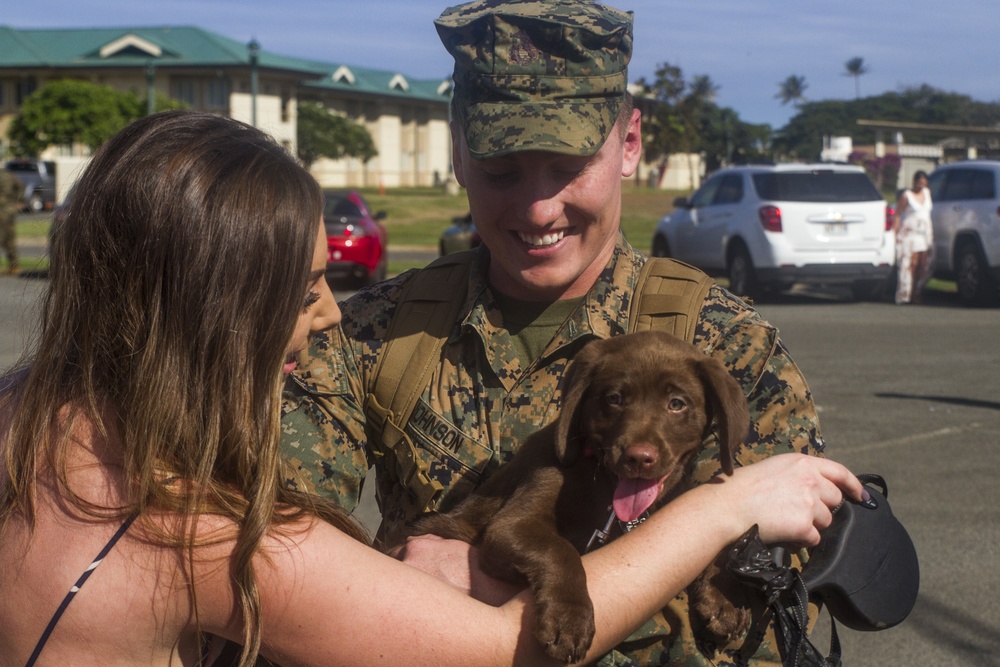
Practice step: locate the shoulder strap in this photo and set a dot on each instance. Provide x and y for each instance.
(669, 297)
(425, 315)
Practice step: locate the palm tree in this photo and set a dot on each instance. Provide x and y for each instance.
(856, 67)
(792, 90)
(703, 88)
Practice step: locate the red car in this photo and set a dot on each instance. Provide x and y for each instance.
(356, 239)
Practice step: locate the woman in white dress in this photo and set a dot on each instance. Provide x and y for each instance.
(914, 240)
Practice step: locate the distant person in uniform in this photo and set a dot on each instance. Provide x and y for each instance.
(11, 190)
(544, 132)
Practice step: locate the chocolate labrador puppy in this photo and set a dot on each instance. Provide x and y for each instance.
(636, 409)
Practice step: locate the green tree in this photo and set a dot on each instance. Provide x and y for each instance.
(856, 68)
(792, 90)
(802, 137)
(68, 111)
(685, 119)
(677, 113)
(325, 134)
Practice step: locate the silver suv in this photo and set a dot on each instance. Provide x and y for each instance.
(39, 180)
(966, 218)
(769, 226)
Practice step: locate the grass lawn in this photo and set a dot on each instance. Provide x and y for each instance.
(416, 217)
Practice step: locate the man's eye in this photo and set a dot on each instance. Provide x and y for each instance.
(500, 176)
(568, 173)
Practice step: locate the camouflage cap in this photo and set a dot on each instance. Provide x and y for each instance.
(537, 74)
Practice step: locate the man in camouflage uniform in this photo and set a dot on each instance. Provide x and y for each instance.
(10, 197)
(543, 135)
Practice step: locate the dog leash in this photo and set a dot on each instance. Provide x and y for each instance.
(600, 536)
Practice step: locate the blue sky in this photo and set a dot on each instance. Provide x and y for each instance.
(746, 46)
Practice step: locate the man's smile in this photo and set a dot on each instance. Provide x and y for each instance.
(542, 240)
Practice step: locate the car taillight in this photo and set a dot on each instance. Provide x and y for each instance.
(770, 218)
(890, 215)
(355, 231)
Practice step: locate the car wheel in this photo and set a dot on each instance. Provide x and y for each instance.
(742, 275)
(36, 203)
(975, 287)
(660, 247)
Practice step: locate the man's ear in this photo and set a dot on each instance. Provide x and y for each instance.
(632, 145)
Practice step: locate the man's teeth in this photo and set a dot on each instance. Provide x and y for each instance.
(543, 240)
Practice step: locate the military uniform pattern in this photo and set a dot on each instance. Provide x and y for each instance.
(10, 195)
(482, 401)
(543, 75)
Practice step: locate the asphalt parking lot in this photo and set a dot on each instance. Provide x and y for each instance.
(909, 392)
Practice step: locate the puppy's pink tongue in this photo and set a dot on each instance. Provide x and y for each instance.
(634, 496)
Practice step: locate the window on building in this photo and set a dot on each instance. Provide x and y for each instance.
(185, 90)
(25, 87)
(217, 94)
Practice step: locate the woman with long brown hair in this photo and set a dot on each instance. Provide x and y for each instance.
(144, 430)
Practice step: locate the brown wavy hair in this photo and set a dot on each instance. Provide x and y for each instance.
(174, 288)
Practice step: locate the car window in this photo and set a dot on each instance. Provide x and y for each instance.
(957, 185)
(935, 183)
(818, 185)
(706, 193)
(338, 207)
(982, 185)
(730, 190)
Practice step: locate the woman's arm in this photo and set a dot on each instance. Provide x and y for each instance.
(901, 203)
(330, 600)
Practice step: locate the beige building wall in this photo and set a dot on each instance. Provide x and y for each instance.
(389, 141)
(412, 140)
(275, 115)
(681, 171)
(439, 162)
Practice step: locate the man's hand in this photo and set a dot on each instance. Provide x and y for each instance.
(456, 563)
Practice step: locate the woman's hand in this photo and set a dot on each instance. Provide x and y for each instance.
(790, 497)
(456, 563)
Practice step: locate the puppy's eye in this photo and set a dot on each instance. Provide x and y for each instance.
(613, 398)
(676, 405)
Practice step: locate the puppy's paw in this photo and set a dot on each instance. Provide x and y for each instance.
(565, 628)
(715, 616)
(727, 624)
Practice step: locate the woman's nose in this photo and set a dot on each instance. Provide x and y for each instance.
(326, 309)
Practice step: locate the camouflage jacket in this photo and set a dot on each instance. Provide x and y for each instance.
(481, 401)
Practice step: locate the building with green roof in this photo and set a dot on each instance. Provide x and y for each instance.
(407, 119)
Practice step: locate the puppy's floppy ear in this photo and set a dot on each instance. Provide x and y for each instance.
(729, 407)
(568, 442)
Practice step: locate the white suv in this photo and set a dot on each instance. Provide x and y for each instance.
(769, 226)
(966, 218)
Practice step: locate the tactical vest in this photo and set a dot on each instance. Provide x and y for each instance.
(670, 297)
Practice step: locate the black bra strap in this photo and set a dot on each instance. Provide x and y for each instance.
(76, 588)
